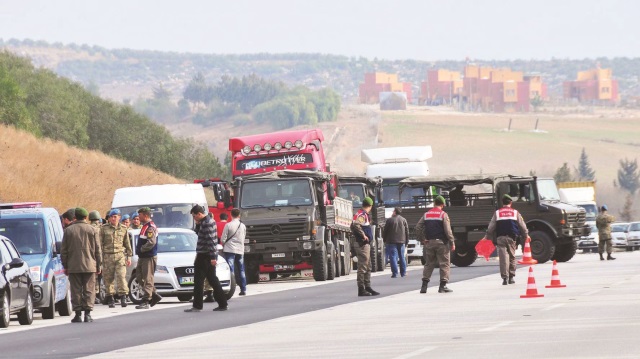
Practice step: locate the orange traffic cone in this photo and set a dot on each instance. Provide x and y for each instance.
(555, 278)
(526, 254)
(532, 291)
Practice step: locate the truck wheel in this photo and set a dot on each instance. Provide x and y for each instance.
(319, 259)
(381, 257)
(564, 252)
(252, 272)
(345, 268)
(464, 256)
(64, 306)
(542, 247)
(135, 290)
(50, 311)
(331, 261)
(373, 261)
(25, 316)
(338, 259)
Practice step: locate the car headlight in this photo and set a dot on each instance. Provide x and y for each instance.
(161, 269)
(247, 249)
(307, 245)
(34, 272)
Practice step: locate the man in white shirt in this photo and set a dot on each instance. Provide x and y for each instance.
(233, 239)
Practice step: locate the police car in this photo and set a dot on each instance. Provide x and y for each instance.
(37, 234)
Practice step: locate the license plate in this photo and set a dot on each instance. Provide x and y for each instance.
(279, 267)
(277, 255)
(186, 280)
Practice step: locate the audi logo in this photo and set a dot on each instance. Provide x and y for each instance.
(275, 229)
(190, 270)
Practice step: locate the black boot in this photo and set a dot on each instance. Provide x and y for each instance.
(609, 257)
(423, 289)
(209, 297)
(443, 288)
(143, 305)
(77, 318)
(363, 292)
(87, 316)
(601, 257)
(155, 298)
(111, 301)
(123, 301)
(511, 281)
(371, 291)
(504, 281)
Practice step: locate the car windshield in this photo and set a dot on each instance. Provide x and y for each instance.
(619, 227)
(548, 190)
(276, 193)
(176, 242)
(352, 192)
(633, 227)
(175, 215)
(26, 234)
(391, 194)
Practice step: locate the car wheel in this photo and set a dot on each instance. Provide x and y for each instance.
(50, 311)
(232, 287)
(135, 290)
(273, 276)
(102, 294)
(25, 316)
(185, 297)
(4, 311)
(64, 307)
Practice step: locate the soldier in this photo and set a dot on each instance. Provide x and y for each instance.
(116, 254)
(147, 250)
(603, 223)
(434, 230)
(125, 221)
(68, 217)
(81, 256)
(135, 221)
(507, 225)
(96, 223)
(361, 228)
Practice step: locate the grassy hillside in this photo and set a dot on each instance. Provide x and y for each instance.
(63, 177)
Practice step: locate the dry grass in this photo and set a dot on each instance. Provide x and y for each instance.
(63, 177)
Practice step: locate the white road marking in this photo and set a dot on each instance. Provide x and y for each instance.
(553, 307)
(416, 353)
(494, 327)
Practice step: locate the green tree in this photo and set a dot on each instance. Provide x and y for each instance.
(585, 172)
(627, 213)
(563, 174)
(197, 90)
(628, 176)
(536, 102)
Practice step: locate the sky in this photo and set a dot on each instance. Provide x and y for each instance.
(426, 30)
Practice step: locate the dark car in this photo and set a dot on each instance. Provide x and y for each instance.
(16, 289)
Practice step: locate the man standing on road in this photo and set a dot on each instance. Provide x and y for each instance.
(81, 259)
(96, 223)
(434, 230)
(233, 237)
(205, 262)
(396, 236)
(147, 250)
(361, 228)
(116, 254)
(507, 225)
(603, 223)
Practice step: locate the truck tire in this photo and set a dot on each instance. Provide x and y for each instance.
(464, 256)
(50, 311)
(252, 272)
(331, 261)
(64, 306)
(564, 252)
(542, 247)
(319, 259)
(25, 316)
(381, 257)
(373, 261)
(345, 269)
(338, 259)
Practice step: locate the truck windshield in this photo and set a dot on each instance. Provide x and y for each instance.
(548, 190)
(276, 193)
(176, 215)
(392, 198)
(591, 210)
(26, 234)
(352, 192)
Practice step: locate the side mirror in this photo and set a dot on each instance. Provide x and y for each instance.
(15, 263)
(331, 192)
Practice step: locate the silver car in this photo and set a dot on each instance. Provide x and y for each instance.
(174, 276)
(619, 235)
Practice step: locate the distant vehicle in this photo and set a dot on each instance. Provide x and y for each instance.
(582, 194)
(619, 235)
(37, 233)
(174, 276)
(170, 203)
(589, 243)
(16, 288)
(633, 237)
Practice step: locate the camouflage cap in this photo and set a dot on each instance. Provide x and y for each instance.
(439, 200)
(145, 210)
(94, 215)
(81, 213)
(367, 202)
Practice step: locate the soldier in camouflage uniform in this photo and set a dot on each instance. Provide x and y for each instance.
(116, 255)
(135, 221)
(603, 222)
(96, 223)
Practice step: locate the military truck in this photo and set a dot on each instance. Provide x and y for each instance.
(363, 187)
(294, 222)
(554, 226)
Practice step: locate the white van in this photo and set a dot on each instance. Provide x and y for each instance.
(170, 203)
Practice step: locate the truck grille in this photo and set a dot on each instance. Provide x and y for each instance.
(276, 231)
(577, 218)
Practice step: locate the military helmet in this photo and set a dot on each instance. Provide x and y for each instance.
(94, 216)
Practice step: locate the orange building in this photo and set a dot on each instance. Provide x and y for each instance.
(377, 82)
(442, 86)
(594, 85)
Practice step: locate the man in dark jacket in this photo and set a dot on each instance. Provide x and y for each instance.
(396, 237)
(81, 259)
(147, 250)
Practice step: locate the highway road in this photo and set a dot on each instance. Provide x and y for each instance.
(596, 315)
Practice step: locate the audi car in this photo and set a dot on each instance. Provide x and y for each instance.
(174, 276)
